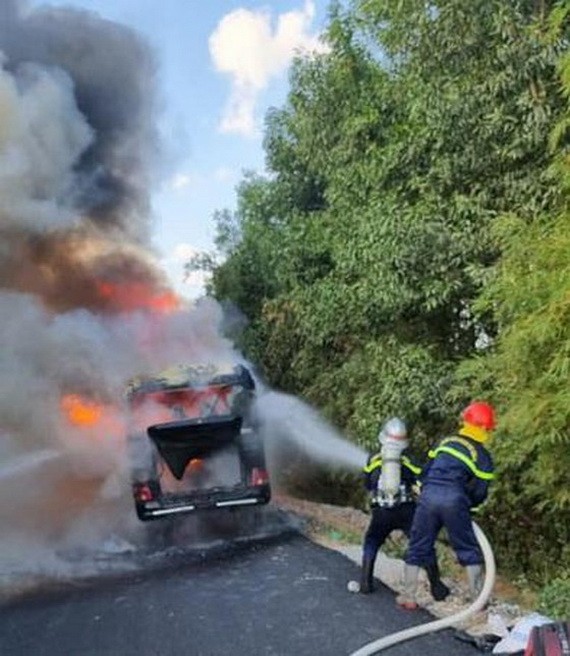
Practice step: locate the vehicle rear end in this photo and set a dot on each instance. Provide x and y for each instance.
(199, 465)
(212, 460)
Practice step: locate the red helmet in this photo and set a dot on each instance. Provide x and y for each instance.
(480, 414)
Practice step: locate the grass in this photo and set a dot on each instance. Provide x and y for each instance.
(335, 533)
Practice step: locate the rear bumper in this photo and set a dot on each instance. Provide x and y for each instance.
(172, 505)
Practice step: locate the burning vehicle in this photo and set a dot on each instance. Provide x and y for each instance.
(193, 444)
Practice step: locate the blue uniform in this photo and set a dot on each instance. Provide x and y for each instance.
(454, 482)
(387, 519)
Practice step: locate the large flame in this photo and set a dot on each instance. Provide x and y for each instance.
(104, 422)
(130, 296)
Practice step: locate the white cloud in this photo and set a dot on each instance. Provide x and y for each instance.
(182, 181)
(190, 285)
(196, 281)
(225, 174)
(245, 46)
(183, 252)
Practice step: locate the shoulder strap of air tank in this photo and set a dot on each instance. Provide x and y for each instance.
(374, 463)
(410, 465)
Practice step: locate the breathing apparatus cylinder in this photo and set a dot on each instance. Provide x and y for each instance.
(393, 440)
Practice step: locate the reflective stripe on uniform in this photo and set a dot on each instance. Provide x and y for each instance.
(486, 476)
(372, 465)
(464, 443)
(377, 462)
(413, 468)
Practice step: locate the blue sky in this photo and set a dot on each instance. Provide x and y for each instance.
(222, 63)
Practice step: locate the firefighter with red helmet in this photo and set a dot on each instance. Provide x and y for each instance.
(454, 482)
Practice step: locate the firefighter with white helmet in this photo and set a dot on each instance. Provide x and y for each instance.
(390, 478)
(454, 482)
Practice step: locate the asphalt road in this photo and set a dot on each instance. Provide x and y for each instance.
(282, 597)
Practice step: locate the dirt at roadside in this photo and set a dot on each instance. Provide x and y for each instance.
(323, 522)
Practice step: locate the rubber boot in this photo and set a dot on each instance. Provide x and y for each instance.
(407, 599)
(475, 579)
(439, 591)
(367, 575)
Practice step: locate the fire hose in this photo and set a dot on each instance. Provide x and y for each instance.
(445, 622)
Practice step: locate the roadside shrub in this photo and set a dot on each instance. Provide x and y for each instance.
(554, 598)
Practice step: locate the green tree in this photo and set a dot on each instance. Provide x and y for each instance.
(527, 369)
(361, 258)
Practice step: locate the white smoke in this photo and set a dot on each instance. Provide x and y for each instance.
(45, 356)
(63, 485)
(42, 137)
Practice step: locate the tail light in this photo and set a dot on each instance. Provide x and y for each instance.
(259, 476)
(143, 493)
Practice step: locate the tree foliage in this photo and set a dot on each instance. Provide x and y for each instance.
(527, 369)
(408, 246)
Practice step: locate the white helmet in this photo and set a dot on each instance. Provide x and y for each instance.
(393, 430)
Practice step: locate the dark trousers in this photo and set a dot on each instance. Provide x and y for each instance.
(383, 522)
(438, 507)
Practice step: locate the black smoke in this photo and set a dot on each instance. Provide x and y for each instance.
(113, 76)
(79, 155)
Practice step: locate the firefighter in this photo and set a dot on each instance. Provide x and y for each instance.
(453, 483)
(390, 478)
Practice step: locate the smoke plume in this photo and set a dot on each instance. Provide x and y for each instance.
(83, 304)
(78, 154)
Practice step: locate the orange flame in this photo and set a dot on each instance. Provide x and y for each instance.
(195, 465)
(81, 412)
(138, 296)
